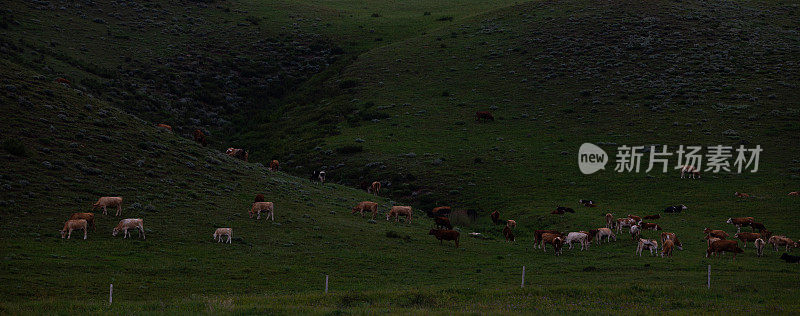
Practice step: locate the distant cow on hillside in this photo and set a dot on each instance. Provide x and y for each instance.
(374, 188)
(238, 153)
(165, 126)
(199, 137)
(484, 115)
(443, 234)
(366, 206)
(109, 201)
(274, 165)
(318, 176)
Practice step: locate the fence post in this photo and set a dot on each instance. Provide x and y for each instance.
(709, 277)
(523, 277)
(110, 293)
(326, 284)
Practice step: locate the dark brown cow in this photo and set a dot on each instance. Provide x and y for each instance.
(724, 246)
(508, 234)
(199, 137)
(274, 165)
(747, 237)
(259, 198)
(721, 234)
(443, 234)
(537, 235)
(484, 115)
(238, 153)
(650, 226)
(89, 217)
(441, 211)
(740, 222)
(443, 222)
(554, 239)
(495, 217)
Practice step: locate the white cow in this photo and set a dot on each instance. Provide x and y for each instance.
(578, 237)
(129, 223)
(223, 232)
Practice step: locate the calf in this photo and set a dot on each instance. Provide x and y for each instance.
(442, 234)
(666, 249)
(650, 226)
(579, 237)
(776, 241)
(443, 222)
(441, 211)
(648, 244)
(609, 220)
(553, 239)
(723, 246)
(89, 217)
(484, 115)
(741, 195)
(374, 188)
(223, 232)
(759, 243)
(397, 211)
(789, 258)
(274, 165)
(675, 209)
(511, 223)
(740, 221)
(199, 137)
(508, 234)
(721, 234)
(259, 207)
(603, 232)
(747, 237)
(74, 224)
(495, 217)
(690, 172)
(671, 236)
(109, 201)
(129, 223)
(656, 216)
(238, 153)
(366, 206)
(537, 235)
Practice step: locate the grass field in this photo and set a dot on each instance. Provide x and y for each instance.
(395, 104)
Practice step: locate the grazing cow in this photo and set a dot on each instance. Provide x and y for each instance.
(495, 217)
(656, 216)
(259, 207)
(89, 217)
(666, 249)
(62, 80)
(789, 258)
(366, 206)
(109, 201)
(765, 233)
(590, 234)
(508, 234)
(609, 220)
(259, 198)
(564, 209)
(442, 234)
(757, 226)
(396, 211)
(537, 235)
(274, 165)
(794, 193)
(129, 223)
(776, 241)
(635, 218)
(721, 234)
(624, 223)
(199, 137)
(648, 244)
(671, 236)
(711, 240)
(443, 222)
(223, 232)
(74, 224)
(603, 232)
(635, 232)
(675, 209)
(238, 153)
(484, 115)
(690, 172)
(554, 239)
(579, 237)
(747, 237)
(318, 176)
(650, 226)
(511, 223)
(724, 246)
(374, 188)
(165, 126)
(740, 221)
(741, 195)
(441, 211)
(759, 243)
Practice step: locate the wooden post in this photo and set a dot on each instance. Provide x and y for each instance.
(326, 284)
(523, 277)
(709, 276)
(110, 293)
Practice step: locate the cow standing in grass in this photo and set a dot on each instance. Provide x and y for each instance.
(109, 201)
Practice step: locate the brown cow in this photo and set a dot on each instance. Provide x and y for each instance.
(721, 234)
(741, 195)
(508, 234)
(62, 80)
(609, 220)
(165, 126)
(109, 201)
(650, 226)
(537, 235)
(740, 222)
(442, 234)
(667, 248)
(495, 217)
(441, 211)
(655, 216)
(199, 137)
(794, 193)
(776, 241)
(274, 165)
(374, 188)
(484, 115)
(258, 207)
(259, 198)
(671, 236)
(635, 218)
(554, 239)
(74, 224)
(511, 223)
(89, 217)
(747, 237)
(396, 211)
(723, 246)
(443, 222)
(366, 206)
(238, 153)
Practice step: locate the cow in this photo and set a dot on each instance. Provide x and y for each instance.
(711, 240)
(671, 236)
(590, 236)
(757, 226)
(238, 153)
(223, 232)
(495, 217)
(441, 211)
(537, 235)
(74, 224)
(62, 80)
(723, 246)
(794, 193)
(648, 244)
(689, 172)
(721, 234)
(609, 220)
(318, 176)
(274, 165)
(259, 207)
(442, 234)
(747, 237)
(655, 216)
(624, 223)
(776, 241)
(579, 237)
(164, 126)
(554, 239)
(508, 234)
(666, 249)
(129, 223)
(374, 188)
(675, 209)
(562, 209)
(396, 211)
(603, 232)
(511, 223)
(759, 243)
(483, 115)
(366, 206)
(635, 232)
(740, 221)
(587, 203)
(89, 217)
(109, 201)
(635, 218)
(789, 258)
(649, 226)
(557, 212)
(741, 195)
(199, 137)
(443, 222)
(259, 198)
